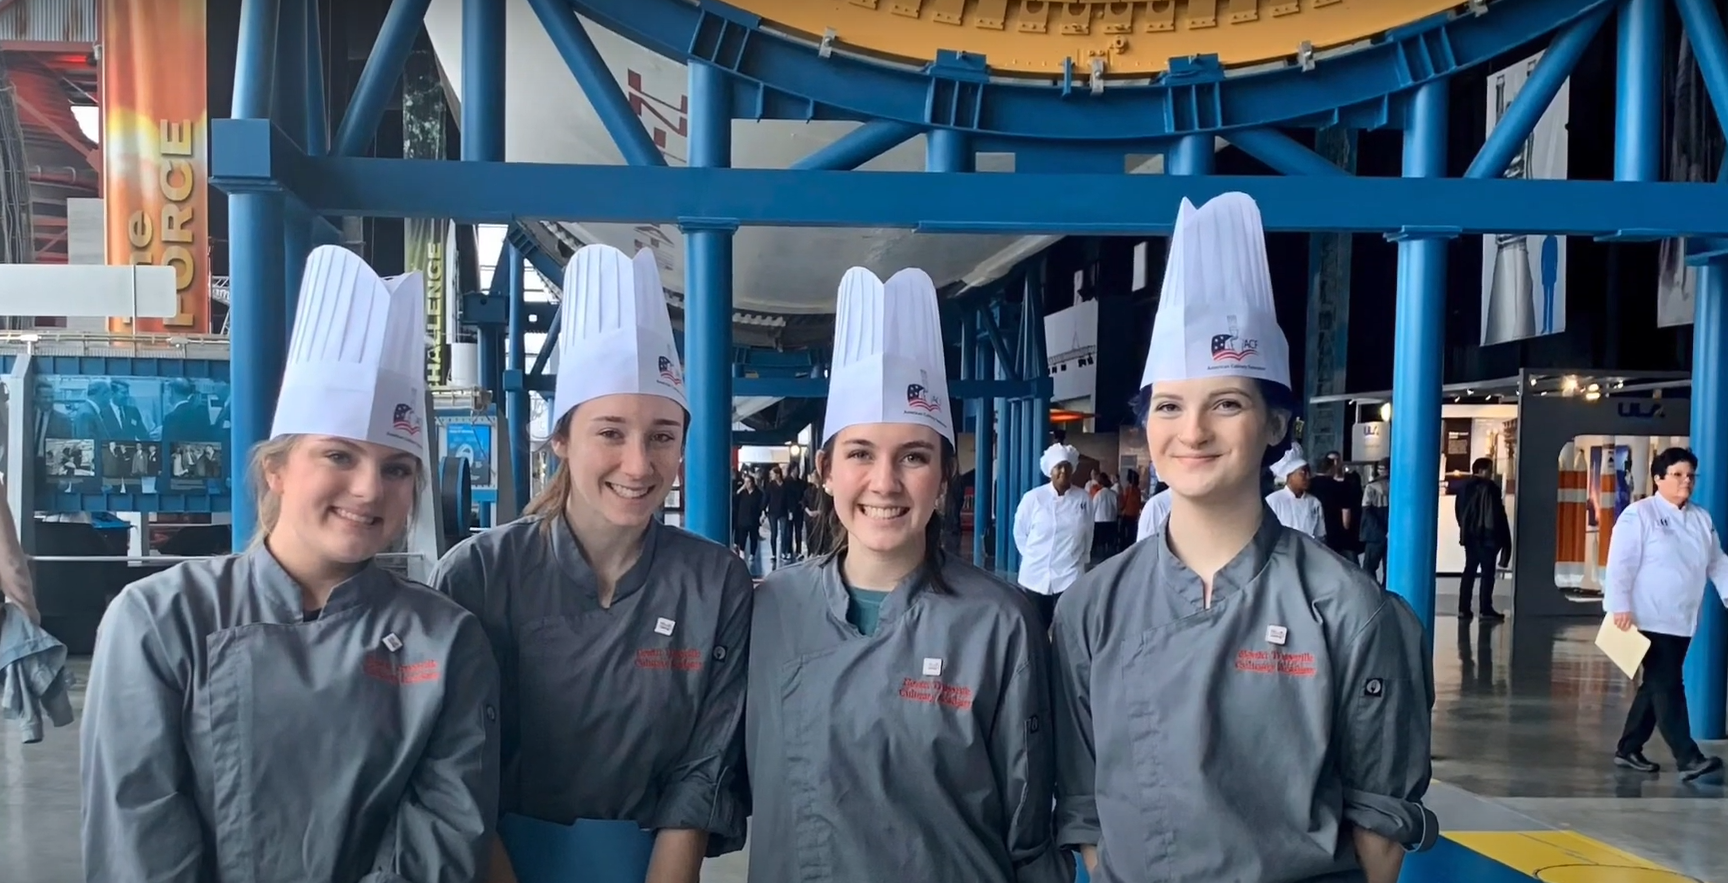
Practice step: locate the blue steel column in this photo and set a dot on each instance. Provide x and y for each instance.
(257, 337)
(1191, 155)
(1417, 364)
(1708, 657)
(1638, 105)
(708, 320)
(1034, 364)
(516, 400)
(483, 80)
(947, 150)
(296, 247)
(984, 435)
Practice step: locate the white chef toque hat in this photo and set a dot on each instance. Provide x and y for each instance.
(1216, 316)
(615, 335)
(888, 365)
(357, 360)
(1056, 454)
(1292, 460)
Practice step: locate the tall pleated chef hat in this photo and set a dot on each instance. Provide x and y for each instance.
(1292, 460)
(889, 364)
(1215, 316)
(615, 335)
(357, 359)
(1057, 454)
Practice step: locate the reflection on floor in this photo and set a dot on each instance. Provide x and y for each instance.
(1524, 725)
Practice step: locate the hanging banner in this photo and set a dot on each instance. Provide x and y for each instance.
(155, 149)
(1694, 153)
(1524, 277)
(426, 240)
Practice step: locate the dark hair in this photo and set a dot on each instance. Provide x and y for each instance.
(1276, 396)
(1661, 463)
(832, 533)
(1482, 466)
(550, 502)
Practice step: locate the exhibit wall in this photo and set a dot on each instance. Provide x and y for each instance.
(1547, 426)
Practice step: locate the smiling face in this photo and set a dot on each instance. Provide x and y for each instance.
(1210, 436)
(1062, 477)
(341, 501)
(622, 452)
(886, 480)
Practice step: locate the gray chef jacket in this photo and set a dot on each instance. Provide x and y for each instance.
(919, 754)
(1239, 742)
(632, 712)
(226, 738)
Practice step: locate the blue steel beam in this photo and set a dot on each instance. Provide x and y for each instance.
(598, 85)
(1282, 153)
(255, 59)
(378, 79)
(1422, 52)
(1638, 91)
(993, 332)
(516, 407)
(817, 388)
(317, 136)
(1707, 659)
(484, 26)
(288, 108)
(1536, 95)
(708, 320)
(857, 147)
(1418, 365)
(944, 203)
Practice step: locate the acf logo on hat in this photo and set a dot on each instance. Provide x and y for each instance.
(918, 395)
(406, 419)
(1232, 347)
(669, 373)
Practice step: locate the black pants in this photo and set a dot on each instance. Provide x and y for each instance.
(1478, 560)
(1661, 701)
(1104, 541)
(1373, 556)
(746, 537)
(1046, 605)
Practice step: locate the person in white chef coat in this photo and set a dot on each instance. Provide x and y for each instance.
(1663, 549)
(1053, 531)
(296, 712)
(1293, 504)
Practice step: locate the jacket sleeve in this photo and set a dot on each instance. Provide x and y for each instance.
(1071, 707)
(443, 828)
(140, 821)
(1023, 515)
(1024, 756)
(1386, 702)
(705, 790)
(1502, 526)
(16, 583)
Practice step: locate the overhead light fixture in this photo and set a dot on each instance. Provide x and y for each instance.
(1386, 411)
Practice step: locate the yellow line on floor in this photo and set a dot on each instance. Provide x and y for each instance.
(1565, 857)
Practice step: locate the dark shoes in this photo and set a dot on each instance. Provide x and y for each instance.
(1699, 768)
(1636, 761)
(1487, 615)
(1691, 771)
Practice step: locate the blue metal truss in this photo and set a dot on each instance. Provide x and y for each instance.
(251, 153)
(780, 77)
(272, 162)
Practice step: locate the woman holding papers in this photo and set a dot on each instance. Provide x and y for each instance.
(623, 642)
(898, 725)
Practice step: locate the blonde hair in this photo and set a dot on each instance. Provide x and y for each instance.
(267, 457)
(550, 502)
(271, 455)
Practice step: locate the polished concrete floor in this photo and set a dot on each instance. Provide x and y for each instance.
(1526, 718)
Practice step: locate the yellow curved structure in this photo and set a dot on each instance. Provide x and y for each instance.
(1134, 39)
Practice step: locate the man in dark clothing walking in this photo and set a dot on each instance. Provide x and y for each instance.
(1340, 494)
(1485, 535)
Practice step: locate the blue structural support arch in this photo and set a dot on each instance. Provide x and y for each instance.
(279, 173)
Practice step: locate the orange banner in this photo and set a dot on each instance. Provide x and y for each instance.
(155, 149)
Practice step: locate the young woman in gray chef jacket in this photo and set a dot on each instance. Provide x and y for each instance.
(898, 723)
(1234, 701)
(623, 642)
(296, 712)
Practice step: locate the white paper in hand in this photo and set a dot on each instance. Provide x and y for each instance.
(1625, 649)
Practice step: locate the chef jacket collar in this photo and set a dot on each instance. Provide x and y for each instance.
(282, 596)
(833, 587)
(1233, 577)
(571, 563)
